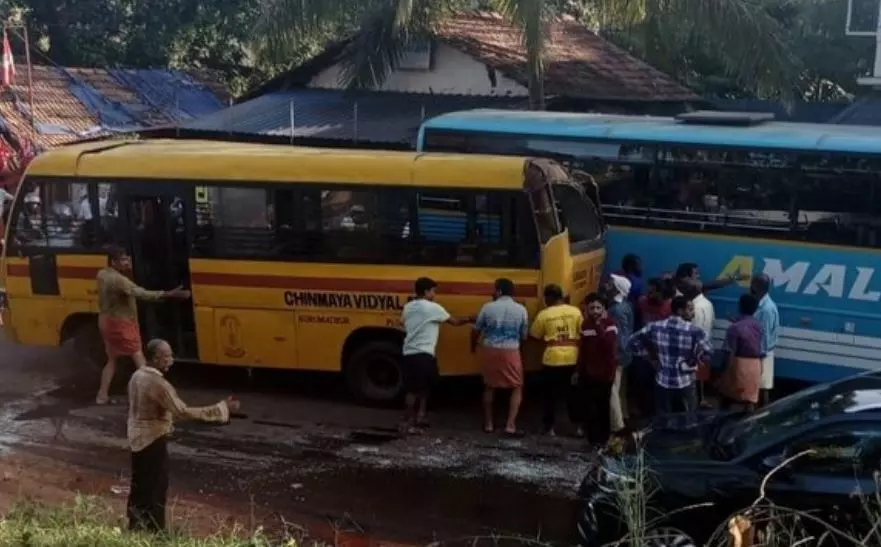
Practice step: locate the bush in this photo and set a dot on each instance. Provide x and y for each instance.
(89, 522)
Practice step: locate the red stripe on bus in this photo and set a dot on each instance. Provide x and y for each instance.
(347, 284)
(18, 270)
(299, 283)
(78, 272)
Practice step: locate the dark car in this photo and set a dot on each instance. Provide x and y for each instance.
(701, 472)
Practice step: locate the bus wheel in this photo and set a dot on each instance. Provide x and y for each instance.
(87, 345)
(373, 372)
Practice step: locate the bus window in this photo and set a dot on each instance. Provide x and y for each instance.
(837, 205)
(579, 216)
(470, 228)
(714, 191)
(233, 222)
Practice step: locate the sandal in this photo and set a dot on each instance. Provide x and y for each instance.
(489, 430)
(422, 424)
(516, 434)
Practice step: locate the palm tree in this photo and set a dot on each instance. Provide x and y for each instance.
(739, 32)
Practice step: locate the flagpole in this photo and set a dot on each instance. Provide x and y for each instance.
(27, 60)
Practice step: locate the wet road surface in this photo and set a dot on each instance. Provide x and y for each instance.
(305, 451)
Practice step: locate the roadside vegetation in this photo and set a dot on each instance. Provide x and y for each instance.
(89, 522)
(763, 523)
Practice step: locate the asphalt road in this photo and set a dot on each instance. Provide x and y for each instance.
(305, 451)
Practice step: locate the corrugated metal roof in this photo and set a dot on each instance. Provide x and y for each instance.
(75, 103)
(799, 112)
(330, 114)
(864, 111)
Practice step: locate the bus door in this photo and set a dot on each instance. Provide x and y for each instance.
(158, 239)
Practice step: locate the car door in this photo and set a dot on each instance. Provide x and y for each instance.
(830, 466)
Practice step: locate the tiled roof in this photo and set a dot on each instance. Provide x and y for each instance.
(73, 103)
(578, 63)
(330, 114)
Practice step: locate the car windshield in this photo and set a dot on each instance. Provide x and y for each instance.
(815, 403)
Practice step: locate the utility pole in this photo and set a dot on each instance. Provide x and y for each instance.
(27, 56)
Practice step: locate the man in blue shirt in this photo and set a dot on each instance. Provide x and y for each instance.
(768, 316)
(503, 324)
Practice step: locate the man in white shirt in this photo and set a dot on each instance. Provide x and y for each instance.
(422, 318)
(704, 318)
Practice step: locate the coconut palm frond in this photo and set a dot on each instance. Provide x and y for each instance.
(385, 34)
(750, 43)
(284, 24)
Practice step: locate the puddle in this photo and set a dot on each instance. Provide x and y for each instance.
(364, 437)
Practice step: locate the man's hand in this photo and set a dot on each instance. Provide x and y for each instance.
(178, 293)
(233, 404)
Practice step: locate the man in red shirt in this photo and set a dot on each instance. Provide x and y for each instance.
(595, 371)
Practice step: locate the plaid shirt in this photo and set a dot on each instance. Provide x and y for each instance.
(676, 345)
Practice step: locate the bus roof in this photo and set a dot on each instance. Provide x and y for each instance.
(266, 163)
(650, 129)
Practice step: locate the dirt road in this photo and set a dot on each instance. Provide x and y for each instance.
(304, 454)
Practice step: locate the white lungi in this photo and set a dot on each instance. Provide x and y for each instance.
(767, 381)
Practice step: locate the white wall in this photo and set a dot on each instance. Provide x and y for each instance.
(453, 72)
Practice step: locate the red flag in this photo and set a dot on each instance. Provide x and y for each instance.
(8, 62)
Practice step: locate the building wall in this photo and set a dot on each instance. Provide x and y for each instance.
(453, 72)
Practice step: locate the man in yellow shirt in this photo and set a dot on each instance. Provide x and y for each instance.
(559, 327)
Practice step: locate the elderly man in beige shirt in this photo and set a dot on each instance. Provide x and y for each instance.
(153, 408)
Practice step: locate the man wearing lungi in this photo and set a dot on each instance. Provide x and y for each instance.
(768, 316)
(503, 324)
(153, 406)
(740, 381)
(118, 315)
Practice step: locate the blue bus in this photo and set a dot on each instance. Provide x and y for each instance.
(736, 194)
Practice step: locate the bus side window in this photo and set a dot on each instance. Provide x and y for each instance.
(51, 214)
(837, 205)
(369, 226)
(729, 192)
(27, 217)
(234, 222)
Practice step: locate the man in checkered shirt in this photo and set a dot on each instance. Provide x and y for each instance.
(675, 347)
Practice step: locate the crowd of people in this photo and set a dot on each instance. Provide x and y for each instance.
(648, 342)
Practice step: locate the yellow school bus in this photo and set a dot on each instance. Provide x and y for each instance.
(297, 258)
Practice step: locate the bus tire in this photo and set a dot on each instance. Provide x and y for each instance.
(373, 372)
(84, 340)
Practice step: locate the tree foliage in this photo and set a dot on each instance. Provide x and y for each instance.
(815, 60)
(214, 34)
(789, 49)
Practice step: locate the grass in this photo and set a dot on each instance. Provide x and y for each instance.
(89, 522)
(763, 523)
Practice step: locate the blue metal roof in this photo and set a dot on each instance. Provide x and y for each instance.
(769, 135)
(331, 114)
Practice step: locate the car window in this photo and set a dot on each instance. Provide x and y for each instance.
(853, 450)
